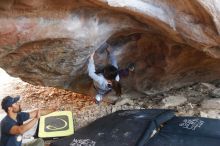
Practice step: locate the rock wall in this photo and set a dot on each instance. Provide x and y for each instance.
(172, 43)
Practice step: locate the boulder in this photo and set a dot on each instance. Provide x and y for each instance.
(174, 101)
(215, 93)
(211, 104)
(172, 43)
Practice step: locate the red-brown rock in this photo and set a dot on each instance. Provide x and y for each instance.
(172, 43)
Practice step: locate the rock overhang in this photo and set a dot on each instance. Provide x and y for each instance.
(48, 42)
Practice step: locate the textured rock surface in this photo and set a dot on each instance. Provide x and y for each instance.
(174, 101)
(173, 43)
(215, 93)
(211, 104)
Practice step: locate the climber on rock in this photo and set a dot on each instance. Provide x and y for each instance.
(107, 78)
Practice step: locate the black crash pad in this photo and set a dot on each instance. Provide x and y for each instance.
(122, 128)
(188, 131)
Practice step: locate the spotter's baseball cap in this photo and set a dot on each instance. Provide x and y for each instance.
(8, 101)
